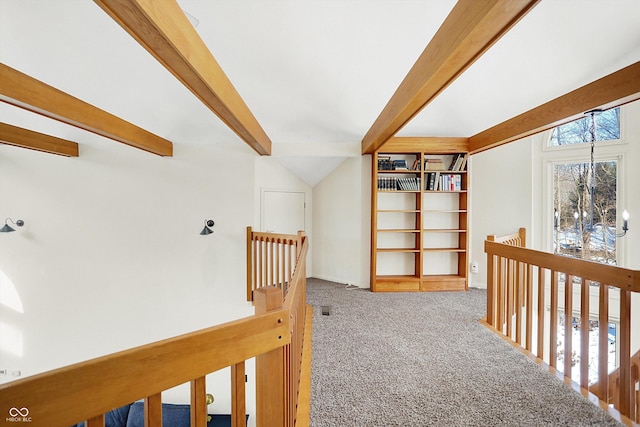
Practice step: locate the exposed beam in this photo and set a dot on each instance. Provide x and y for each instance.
(163, 29)
(25, 138)
(613, 90)
(471, 28)
(432, 144)
(23, 91)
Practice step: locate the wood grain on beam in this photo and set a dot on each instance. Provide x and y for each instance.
(432, 144)
(613, 90)
(23, 91)
(162, 28)
(19, 137)
(471, 28)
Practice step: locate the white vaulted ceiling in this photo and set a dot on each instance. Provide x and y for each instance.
(315, 73)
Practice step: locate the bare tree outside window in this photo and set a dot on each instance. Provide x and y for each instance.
(576, 233)
(578, 131)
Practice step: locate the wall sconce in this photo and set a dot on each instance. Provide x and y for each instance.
(7, 228)
(206, 230)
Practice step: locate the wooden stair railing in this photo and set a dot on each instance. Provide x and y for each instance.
(88, 390)
(614, 384)
(528, 289)
(271, 259)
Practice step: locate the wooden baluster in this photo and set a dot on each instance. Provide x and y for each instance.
(518, 300)
(259, 282)
(274, 262)
(198, 402)
(568, 324)
(529, 308)
(491, 291)
(270, 372)
(626, 395)
(285, 285)
(238, 396)
(509, 297)
(541, 290)
(153, 410)
(250, 263)
(603, 343)
(501, 291)
(553, 321)
(97, 421)
(584, 333)
(276, 266)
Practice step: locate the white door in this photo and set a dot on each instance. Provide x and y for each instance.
(283, 211)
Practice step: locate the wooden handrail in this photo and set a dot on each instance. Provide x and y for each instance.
(516, 274)
(79, 392)
(87, 390)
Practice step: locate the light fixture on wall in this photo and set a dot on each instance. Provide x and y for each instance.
(206, 230)
(588, 222)
(7, 228)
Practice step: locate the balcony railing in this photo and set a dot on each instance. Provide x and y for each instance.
(533, 298)
(271, 260)
(274, 335)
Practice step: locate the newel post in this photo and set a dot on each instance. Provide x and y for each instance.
(270, 392)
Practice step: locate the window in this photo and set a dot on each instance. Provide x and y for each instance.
(585, 227)
(607, 128)
(584, 219)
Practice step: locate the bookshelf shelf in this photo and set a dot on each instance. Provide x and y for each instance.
(419, 235)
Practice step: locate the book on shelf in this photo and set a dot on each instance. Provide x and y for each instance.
(434, 164)
(385, 163)
(400, 165)
(416, 165)
(459, 162)
(433, 182)
(409, 184)
(450, 182)
(390, 183)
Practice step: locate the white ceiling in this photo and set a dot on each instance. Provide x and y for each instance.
(315, 73)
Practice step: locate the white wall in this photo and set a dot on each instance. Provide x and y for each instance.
(110, 255)
(342, 223)
(501, 202)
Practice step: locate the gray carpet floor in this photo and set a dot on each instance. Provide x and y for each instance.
(423, 359)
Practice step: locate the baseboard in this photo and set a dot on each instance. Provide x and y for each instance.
(336, 280)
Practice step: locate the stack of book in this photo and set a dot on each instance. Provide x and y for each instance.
(434, 164)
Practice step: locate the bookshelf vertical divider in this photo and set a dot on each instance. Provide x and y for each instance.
(419, 201)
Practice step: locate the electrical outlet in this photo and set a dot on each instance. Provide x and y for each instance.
(3, 372)
(475, 267)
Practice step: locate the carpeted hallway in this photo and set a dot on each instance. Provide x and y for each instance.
(422, 359)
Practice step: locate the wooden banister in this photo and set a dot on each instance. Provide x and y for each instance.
(87, 390)
(516, 274)
(271, 259)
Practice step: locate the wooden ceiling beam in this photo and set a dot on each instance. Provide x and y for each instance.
(471, 28)
(613, 90)
(23, 91)
(163, 29)
(432, 144)
(25, 138)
